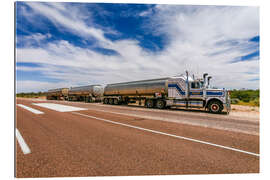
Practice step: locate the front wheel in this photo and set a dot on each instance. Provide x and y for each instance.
(215, 107)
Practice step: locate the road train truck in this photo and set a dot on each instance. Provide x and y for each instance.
(178, 91)
(91, 93)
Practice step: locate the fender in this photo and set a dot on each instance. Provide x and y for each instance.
(212, 99)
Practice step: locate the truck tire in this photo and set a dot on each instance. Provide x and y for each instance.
(115, 101)
(89, 99)
(215, 107)
(106, 101)
(160, 104)
(111, 101)
(149, 103)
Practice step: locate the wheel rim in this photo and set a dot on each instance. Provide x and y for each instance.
(111, 101)
(214, 107)
(160, 104)
(149, 103)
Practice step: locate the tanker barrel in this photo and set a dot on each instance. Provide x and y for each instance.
(96, 90)
(144, 87)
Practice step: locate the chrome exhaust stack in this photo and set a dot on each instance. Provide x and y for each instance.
(187, 86)
(204, 79)
(208, 80)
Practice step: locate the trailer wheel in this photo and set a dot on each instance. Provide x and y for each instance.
(149, 103)
(88, 99)
(160, 104)
(215, 107)
(115, 101)
(111, 101)
(106, 101)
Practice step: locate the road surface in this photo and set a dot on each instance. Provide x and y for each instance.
(67, 139)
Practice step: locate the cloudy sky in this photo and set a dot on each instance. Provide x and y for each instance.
(71, 44)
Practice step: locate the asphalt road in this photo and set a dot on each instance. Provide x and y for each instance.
(104, 140)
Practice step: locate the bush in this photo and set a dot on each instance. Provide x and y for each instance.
(246, 100)
(248, 97)
(256, 102)
(235, 101)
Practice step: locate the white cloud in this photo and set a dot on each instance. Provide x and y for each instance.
(200, 39)
(70, 18)
(147, 12)
(35, 38)
(206, 23)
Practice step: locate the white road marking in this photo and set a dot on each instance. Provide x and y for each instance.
(23, 145)
(59, 107)
(30, 109)
(171, 135)
(39, 99)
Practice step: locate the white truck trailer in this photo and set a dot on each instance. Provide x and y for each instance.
(182, 91)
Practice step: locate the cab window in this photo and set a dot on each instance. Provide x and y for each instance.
(195, 85)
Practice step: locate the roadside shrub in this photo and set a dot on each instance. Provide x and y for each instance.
(245, 97)
(256, 102)
(235, 101)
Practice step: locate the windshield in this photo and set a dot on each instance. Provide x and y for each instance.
(202, 83)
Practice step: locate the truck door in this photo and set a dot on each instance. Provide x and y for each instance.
(196, 90)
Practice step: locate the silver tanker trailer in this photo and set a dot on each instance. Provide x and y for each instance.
(57, 94)
(91, 93)
(183, 91)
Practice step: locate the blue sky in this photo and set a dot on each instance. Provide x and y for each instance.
(70, 44)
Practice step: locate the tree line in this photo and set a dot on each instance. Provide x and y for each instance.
(30, 94)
